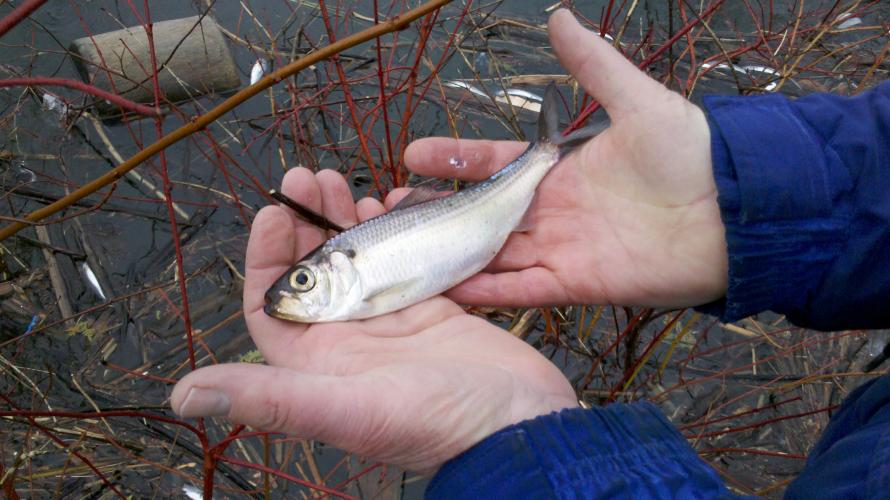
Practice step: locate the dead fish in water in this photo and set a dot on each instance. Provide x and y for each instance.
(259, 69)
(425, 245)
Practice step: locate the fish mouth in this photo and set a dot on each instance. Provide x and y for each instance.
(271, 309)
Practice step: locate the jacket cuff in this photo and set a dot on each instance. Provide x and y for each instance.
(767, 164)
(628, 450)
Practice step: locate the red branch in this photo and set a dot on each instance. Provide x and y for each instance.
(83, 87)
(592, 107)
(22, 11)
(284, 475)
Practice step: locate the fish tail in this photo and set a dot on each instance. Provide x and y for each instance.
(548, 124)
(548, 119)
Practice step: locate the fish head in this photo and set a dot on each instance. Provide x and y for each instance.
(325, 286)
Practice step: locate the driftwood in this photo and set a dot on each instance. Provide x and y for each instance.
(191, 53)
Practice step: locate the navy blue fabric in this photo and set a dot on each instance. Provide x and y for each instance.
(804, 193)
(618, 451)
(852, 458)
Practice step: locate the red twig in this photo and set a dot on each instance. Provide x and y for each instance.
(18, 14)
(83, 87)
(592, 107)
(756, 425)
(283, 475)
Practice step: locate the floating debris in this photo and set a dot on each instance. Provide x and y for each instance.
(91, 279)
(26, 175)
(55, 105)
(259, 70)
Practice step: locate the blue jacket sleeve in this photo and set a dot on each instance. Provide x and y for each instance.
(804, 193)
(618, 451)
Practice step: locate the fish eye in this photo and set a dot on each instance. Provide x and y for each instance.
(302, 279)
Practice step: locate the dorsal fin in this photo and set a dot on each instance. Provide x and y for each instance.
(418, 195)
(548, 120)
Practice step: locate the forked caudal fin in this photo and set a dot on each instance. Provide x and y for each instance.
(548, 124)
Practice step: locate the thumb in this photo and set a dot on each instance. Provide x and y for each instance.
(270, 398)
(603, 71)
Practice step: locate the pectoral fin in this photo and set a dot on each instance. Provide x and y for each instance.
(396, 289)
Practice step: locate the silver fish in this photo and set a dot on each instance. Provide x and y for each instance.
(423, 246)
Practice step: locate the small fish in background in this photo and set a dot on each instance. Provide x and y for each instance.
(91, 279)
(846, 21)
(517, 98)
(750, 70)
(260, 68)
(520, 99)
(192, 492)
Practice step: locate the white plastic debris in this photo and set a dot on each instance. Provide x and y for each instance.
(91, 279)
(26, 172)
(54, 104)
(259, 70)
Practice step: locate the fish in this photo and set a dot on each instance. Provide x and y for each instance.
(259, 69)
(92, 280)
(425, 245)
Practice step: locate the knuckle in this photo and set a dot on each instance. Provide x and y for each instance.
(274, 414)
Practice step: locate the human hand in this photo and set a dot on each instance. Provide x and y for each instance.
(412, 388)
(630, 217)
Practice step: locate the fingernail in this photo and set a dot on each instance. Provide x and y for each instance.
(204, 403)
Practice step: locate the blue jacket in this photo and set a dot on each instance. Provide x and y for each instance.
(804, 193)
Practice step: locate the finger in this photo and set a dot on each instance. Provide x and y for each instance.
(603, 72)
(367, 208)
(437, 156)
(395, 196)
(301, 186)
(277, 399)
(336, 198)
(270, 252)
(535, 286)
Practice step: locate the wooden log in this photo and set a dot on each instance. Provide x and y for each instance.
(191, 53)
